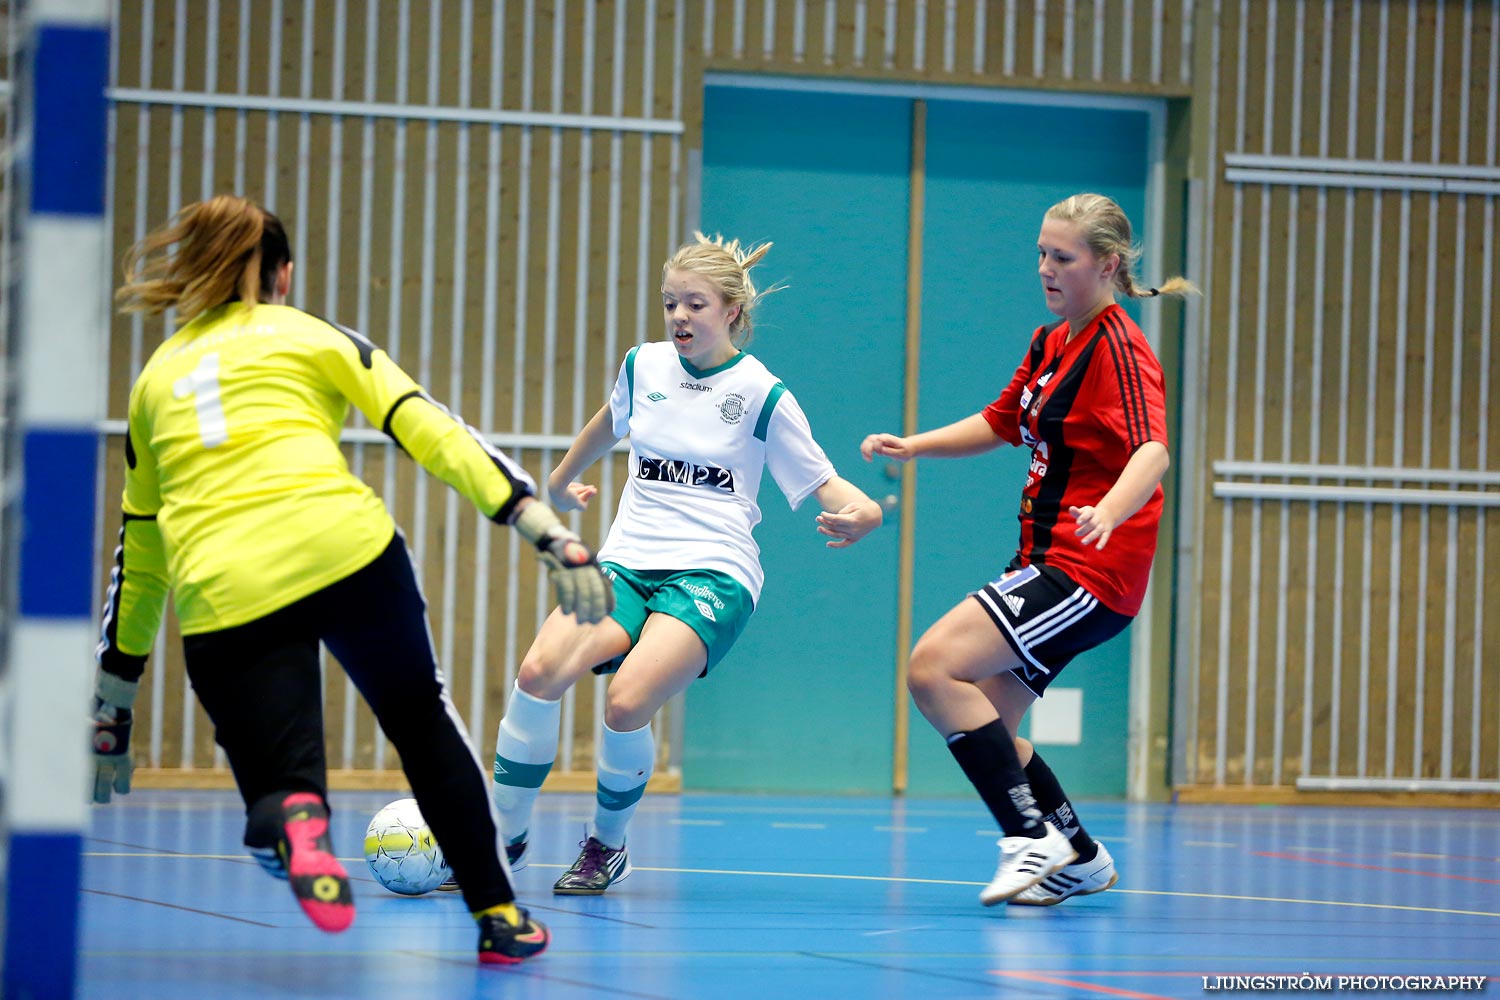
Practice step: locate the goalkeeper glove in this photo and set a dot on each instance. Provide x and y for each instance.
(582, 589)
(111, 736)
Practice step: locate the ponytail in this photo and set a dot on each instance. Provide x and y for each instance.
(227, 248)
(1105, 230)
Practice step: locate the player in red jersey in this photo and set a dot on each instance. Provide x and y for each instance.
(1088, 401)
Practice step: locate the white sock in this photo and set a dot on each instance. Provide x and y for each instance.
(525, 748)
(626, 761)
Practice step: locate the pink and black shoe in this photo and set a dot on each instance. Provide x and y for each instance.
(318, 879)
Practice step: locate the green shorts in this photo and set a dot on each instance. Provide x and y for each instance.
(715, 605)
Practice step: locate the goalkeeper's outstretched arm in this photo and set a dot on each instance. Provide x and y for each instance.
(582, 589)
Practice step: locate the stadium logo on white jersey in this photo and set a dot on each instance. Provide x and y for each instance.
(708, 612)
(732, 408)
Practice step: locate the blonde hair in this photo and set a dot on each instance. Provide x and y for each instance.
(228, 248)
(727, 265)
(1105, 230)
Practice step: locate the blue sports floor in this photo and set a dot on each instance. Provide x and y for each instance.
(743, 896)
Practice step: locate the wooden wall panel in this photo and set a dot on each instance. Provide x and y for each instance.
(1342, 324)
(1339, 327)
(518, 251)
(1055, 45)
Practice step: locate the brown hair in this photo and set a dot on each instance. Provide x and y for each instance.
(727, 265)
(228, 248)
(1105, 230)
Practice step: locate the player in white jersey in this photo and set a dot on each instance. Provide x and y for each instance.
(704, 418)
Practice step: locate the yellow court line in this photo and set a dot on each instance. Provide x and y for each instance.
(896, 879)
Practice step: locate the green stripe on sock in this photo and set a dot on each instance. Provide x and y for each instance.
(614, 801)
(518, 775)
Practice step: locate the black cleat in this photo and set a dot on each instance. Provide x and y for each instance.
(501, 943)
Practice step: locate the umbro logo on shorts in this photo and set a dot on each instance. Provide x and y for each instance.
(707, 611)
(1014, 602)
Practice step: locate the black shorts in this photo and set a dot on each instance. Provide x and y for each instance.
(1047, 619)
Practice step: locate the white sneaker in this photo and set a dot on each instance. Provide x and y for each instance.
(1082, 879)
(515, 856)
(1025, 861)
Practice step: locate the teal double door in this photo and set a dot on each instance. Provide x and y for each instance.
(807, 699)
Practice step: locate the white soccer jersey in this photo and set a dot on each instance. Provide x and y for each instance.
(698, 442)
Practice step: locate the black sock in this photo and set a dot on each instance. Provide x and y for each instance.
(263, 817)
(1056, 808)
(989, 760)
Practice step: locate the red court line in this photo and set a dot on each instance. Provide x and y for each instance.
(1038, 977)
(1373, 868)
(1117, 973)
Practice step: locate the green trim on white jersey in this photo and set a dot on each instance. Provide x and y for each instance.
(630, 374)
(699, 442)
(707, 372)
(772, 398)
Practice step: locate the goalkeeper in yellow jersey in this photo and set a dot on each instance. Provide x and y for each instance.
(238, 500)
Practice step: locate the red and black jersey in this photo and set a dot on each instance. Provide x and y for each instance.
(1084, 405)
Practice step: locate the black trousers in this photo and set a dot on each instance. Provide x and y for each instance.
(260, 684)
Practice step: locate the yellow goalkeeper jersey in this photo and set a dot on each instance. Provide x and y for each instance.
(237, 497)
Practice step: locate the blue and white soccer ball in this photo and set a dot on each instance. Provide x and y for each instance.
(402, 853)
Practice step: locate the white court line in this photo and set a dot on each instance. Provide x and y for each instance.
(1439, 857)
(1309, 902)
(1299, 847)
(696, 822)
(173, 854)
(899, 880)
(901, 829)
(799, 826)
